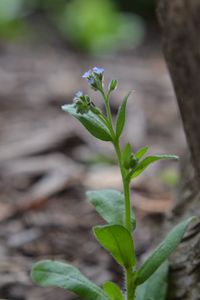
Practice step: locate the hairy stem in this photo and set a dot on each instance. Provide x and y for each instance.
(130, 286)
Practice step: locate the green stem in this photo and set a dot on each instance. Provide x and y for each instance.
(118, 152)
(130, 286)
(108, 111)
(125, 188)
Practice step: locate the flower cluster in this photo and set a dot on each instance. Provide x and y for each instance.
(95, 78)
(82, 102)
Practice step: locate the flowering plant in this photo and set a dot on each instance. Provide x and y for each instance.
(148, 281)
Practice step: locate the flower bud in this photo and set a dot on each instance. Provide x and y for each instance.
(112, 85)
(131, 162)
(82, 103)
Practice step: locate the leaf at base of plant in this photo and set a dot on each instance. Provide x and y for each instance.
(155, 288)
(49, 273)
(163, 251)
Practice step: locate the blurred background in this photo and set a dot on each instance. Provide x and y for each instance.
(47, 160)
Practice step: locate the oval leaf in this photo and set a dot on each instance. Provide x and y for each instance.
(112, 291)
(163, 251)
(121, 116)
(155, 288)
(148, 161)
(91, 122)
(110, 205)
(53, 273)
(118, 241)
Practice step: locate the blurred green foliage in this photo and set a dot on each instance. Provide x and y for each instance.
(96, 25)
(90, 25)
(11, 24)
(10, 9)
(170, 177)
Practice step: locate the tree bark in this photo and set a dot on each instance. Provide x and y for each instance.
(180, 23)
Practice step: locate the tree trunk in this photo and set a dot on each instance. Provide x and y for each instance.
(180, 23)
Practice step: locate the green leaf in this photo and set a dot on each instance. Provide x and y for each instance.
(148, 161)
(91, 122)
(155, 288)
(112, 291)
(126, 154)
(163, 251)
(126, 151)
(49, 273)
(110, 205)
(141, 152)
(121, 116)
(118, 241)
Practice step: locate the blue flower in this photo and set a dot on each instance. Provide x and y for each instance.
(94, 78)
(87, 74)
(98, 70)
(79, 94)
(91, 80)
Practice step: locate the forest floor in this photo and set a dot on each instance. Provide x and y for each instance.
(48, 161)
